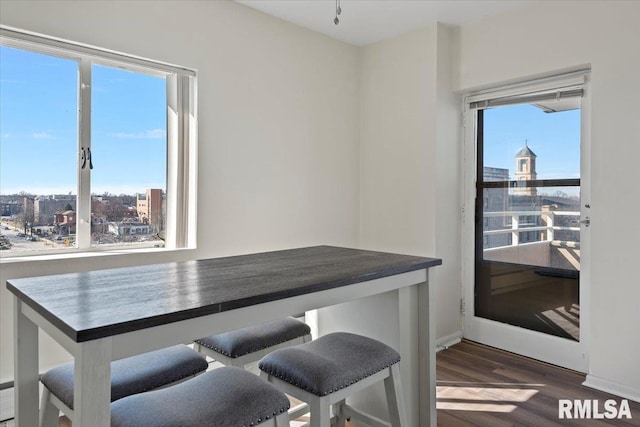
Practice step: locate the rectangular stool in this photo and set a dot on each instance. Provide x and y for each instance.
(248, 345)
(227, 396)
(129, 376)
(324, 372)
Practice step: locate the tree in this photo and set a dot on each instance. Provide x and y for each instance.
(96, 207)
(26, 216)
(114, 210)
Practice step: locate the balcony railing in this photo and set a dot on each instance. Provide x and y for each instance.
(548, 217)
(556, 243)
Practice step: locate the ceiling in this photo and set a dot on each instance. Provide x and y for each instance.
(368, 21)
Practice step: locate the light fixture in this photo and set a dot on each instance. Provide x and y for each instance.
(338, 12)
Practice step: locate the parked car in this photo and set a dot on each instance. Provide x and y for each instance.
(20, 234)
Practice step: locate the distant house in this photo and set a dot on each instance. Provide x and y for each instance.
(44, 207)
(99, 224)
(65, 222)
(128, 228)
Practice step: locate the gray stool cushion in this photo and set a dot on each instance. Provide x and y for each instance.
(254, 338)
(224, 397)
(330, 363)
(134, 374)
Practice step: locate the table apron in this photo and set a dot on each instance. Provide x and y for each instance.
(186, 331)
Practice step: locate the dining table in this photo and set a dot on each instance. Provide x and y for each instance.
(104, 315)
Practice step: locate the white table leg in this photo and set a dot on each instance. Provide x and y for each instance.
(417, 349)
(408, 341)
(25, 362)
(427, 354)
(92, 384)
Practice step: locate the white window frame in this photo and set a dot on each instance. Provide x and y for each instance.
(181, 136)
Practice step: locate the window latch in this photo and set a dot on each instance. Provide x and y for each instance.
(83, 159)
(89, 156)
(86, 155)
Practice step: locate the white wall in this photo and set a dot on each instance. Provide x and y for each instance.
(409, 182)
(278, 128)
(553, 36)
(447, 278)
(410, 176)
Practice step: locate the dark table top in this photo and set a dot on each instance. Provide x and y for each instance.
(101, 303)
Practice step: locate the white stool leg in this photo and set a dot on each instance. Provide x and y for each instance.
(320, 411)
(49, 414)
(236, 364)
(282, 420)
(339, 414)
(395, 400)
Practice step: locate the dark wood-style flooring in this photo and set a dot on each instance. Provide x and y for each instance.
(483, 386)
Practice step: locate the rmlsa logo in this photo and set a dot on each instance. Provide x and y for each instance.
(591, 408)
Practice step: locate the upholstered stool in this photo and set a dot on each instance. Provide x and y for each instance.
(225, 397)
(326, 371)
(128, 376)
(247, 345)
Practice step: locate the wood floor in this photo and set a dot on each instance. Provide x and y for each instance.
(482, 386)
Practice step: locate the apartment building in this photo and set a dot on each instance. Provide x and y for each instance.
(150, 207)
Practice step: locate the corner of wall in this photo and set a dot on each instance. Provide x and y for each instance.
(448, 277)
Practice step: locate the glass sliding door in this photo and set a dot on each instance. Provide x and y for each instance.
(528, 204)
(529, 221)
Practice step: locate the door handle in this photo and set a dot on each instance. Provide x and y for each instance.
(586, 221)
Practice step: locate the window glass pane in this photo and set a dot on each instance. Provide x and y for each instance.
(524, 143)
(38, 147)
(541, 230)
(528, 242)
(129, 151)
(529, 143)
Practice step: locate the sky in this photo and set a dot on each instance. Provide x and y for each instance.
(553, 137)
(39, 127)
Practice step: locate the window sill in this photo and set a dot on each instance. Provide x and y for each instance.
(162, 253)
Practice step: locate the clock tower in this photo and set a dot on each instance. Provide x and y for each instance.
(525, 171)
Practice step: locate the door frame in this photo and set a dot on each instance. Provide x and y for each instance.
(537, 345)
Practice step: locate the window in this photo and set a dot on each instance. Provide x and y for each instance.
(98, 149)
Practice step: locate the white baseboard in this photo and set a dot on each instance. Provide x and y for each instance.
(449, 340)
(612, 387)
